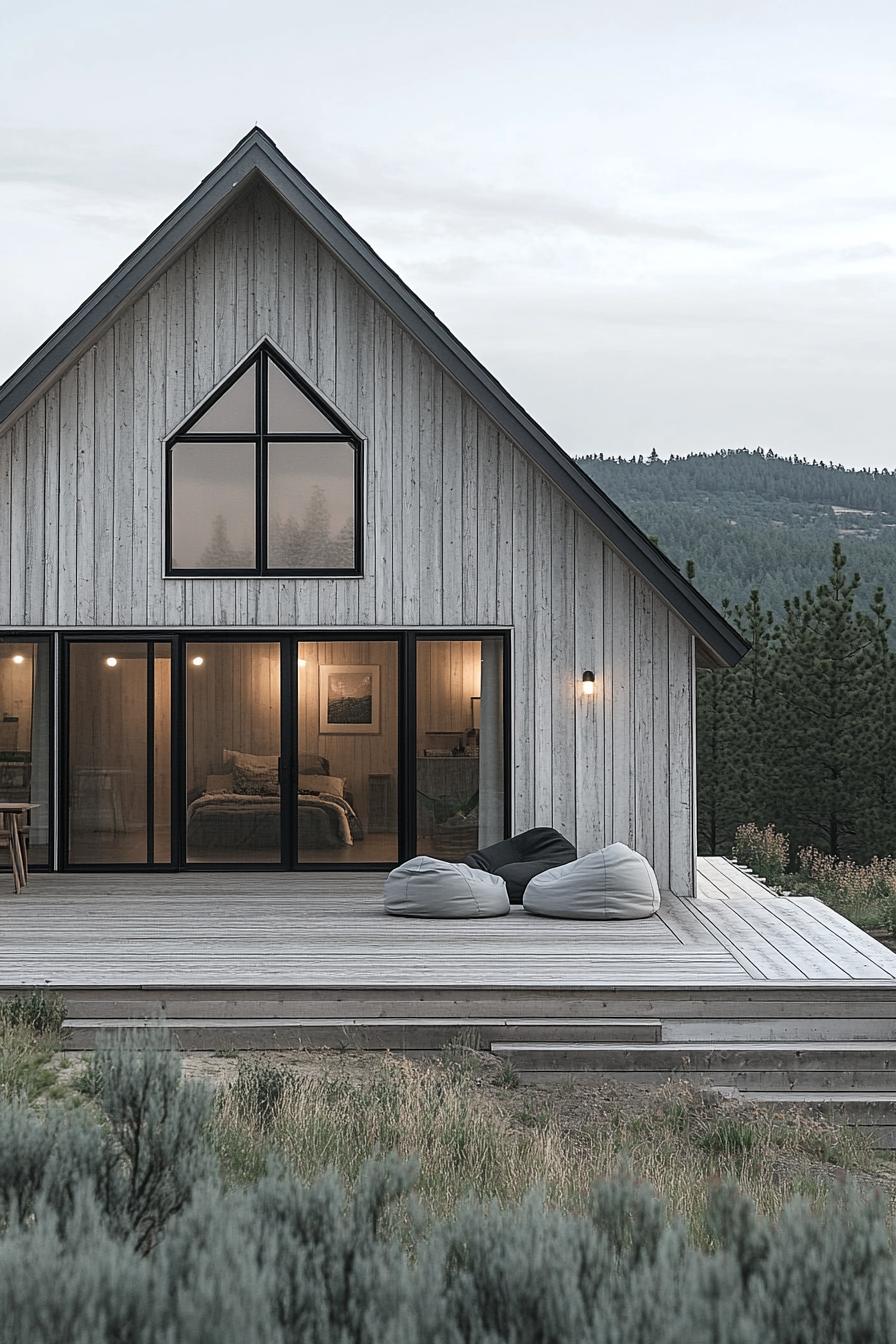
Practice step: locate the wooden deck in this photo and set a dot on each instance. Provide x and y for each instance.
(326, 931)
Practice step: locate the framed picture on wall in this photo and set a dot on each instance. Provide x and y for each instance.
(349, 698)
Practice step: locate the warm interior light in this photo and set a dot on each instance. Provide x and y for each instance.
(111, 662)
(18, 658)
(301, 662)
(198, 660)
(588, 683)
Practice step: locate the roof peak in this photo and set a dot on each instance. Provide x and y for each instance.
(257, 153)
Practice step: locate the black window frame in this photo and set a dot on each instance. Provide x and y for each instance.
(260, 438)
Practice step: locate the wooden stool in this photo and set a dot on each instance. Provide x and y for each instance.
(11, 815)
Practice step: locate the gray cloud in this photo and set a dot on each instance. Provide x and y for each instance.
(662, 225)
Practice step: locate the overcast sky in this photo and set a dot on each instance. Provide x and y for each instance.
(659, 223)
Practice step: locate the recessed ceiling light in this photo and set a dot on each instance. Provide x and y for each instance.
(111, 662)
(198, 660)
(18, 657)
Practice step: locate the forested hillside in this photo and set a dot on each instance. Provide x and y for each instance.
(750, 519)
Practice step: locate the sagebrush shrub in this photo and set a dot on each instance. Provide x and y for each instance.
(159, 1121)
(117, 1228)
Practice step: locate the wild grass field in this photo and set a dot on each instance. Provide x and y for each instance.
(331, 1196)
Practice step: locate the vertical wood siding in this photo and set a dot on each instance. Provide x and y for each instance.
(461, 528)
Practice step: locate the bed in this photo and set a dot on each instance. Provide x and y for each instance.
(239, 809)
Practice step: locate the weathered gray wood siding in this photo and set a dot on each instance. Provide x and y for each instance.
(461, 528)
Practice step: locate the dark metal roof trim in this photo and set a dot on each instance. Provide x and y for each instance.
(257, 153)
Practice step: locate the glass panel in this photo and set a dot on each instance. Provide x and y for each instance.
(213, 506)
(25, 738)
(289, 410)
(107, 753)
(162, 753)
(347, 810)
(311, 493)
(234, 410)
(460, 746)
(233, 752)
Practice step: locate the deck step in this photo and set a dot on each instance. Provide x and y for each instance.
(727, 1031)
(874, 1113)
(788, 1066)
(406, 1035)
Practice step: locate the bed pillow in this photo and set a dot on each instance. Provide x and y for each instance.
(313, 765)
(245, 758)
(219, 783)
(259, 781)
(322, 784)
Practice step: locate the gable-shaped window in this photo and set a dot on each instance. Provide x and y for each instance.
(264, 479)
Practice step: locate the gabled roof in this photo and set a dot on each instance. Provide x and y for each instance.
(257, 155)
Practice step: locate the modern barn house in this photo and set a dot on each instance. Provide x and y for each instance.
(291, 590)
(265, 514)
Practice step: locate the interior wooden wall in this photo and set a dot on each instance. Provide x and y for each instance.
(448, 676)
(108, 727)
(233, 703)
(352, 756)
(16, 693)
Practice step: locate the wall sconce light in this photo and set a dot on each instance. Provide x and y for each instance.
(18, 658)
(301, 662)
(111, 662)
(587, 683)
(198, 660)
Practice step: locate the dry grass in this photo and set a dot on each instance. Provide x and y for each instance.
(27, 1066)
(474, 1135)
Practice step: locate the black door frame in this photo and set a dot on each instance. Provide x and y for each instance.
(150, 639)
(289, 640)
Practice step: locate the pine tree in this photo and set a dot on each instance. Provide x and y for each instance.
(316, 532)
(823, 734)
(754, 677)
(220, 553)
(878, 821)
(721, 735)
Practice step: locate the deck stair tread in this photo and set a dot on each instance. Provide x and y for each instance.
(406, 1034)
(690, 1048)
(831, 1098)
(598, 1023)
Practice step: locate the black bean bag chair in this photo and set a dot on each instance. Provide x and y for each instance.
(522, 857)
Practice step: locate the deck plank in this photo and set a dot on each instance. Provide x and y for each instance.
(840, 944)
(314, 930)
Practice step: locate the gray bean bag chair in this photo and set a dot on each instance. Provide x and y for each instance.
(436, 889)
(614, 883)
(522, 857)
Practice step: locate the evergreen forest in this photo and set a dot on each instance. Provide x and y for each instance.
(751, 519)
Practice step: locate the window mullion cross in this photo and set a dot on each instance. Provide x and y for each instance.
(308, 492)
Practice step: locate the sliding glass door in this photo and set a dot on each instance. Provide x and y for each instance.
(221, 751)
(347, 744)
(233, 752)
(118, 758)
(460, 752)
